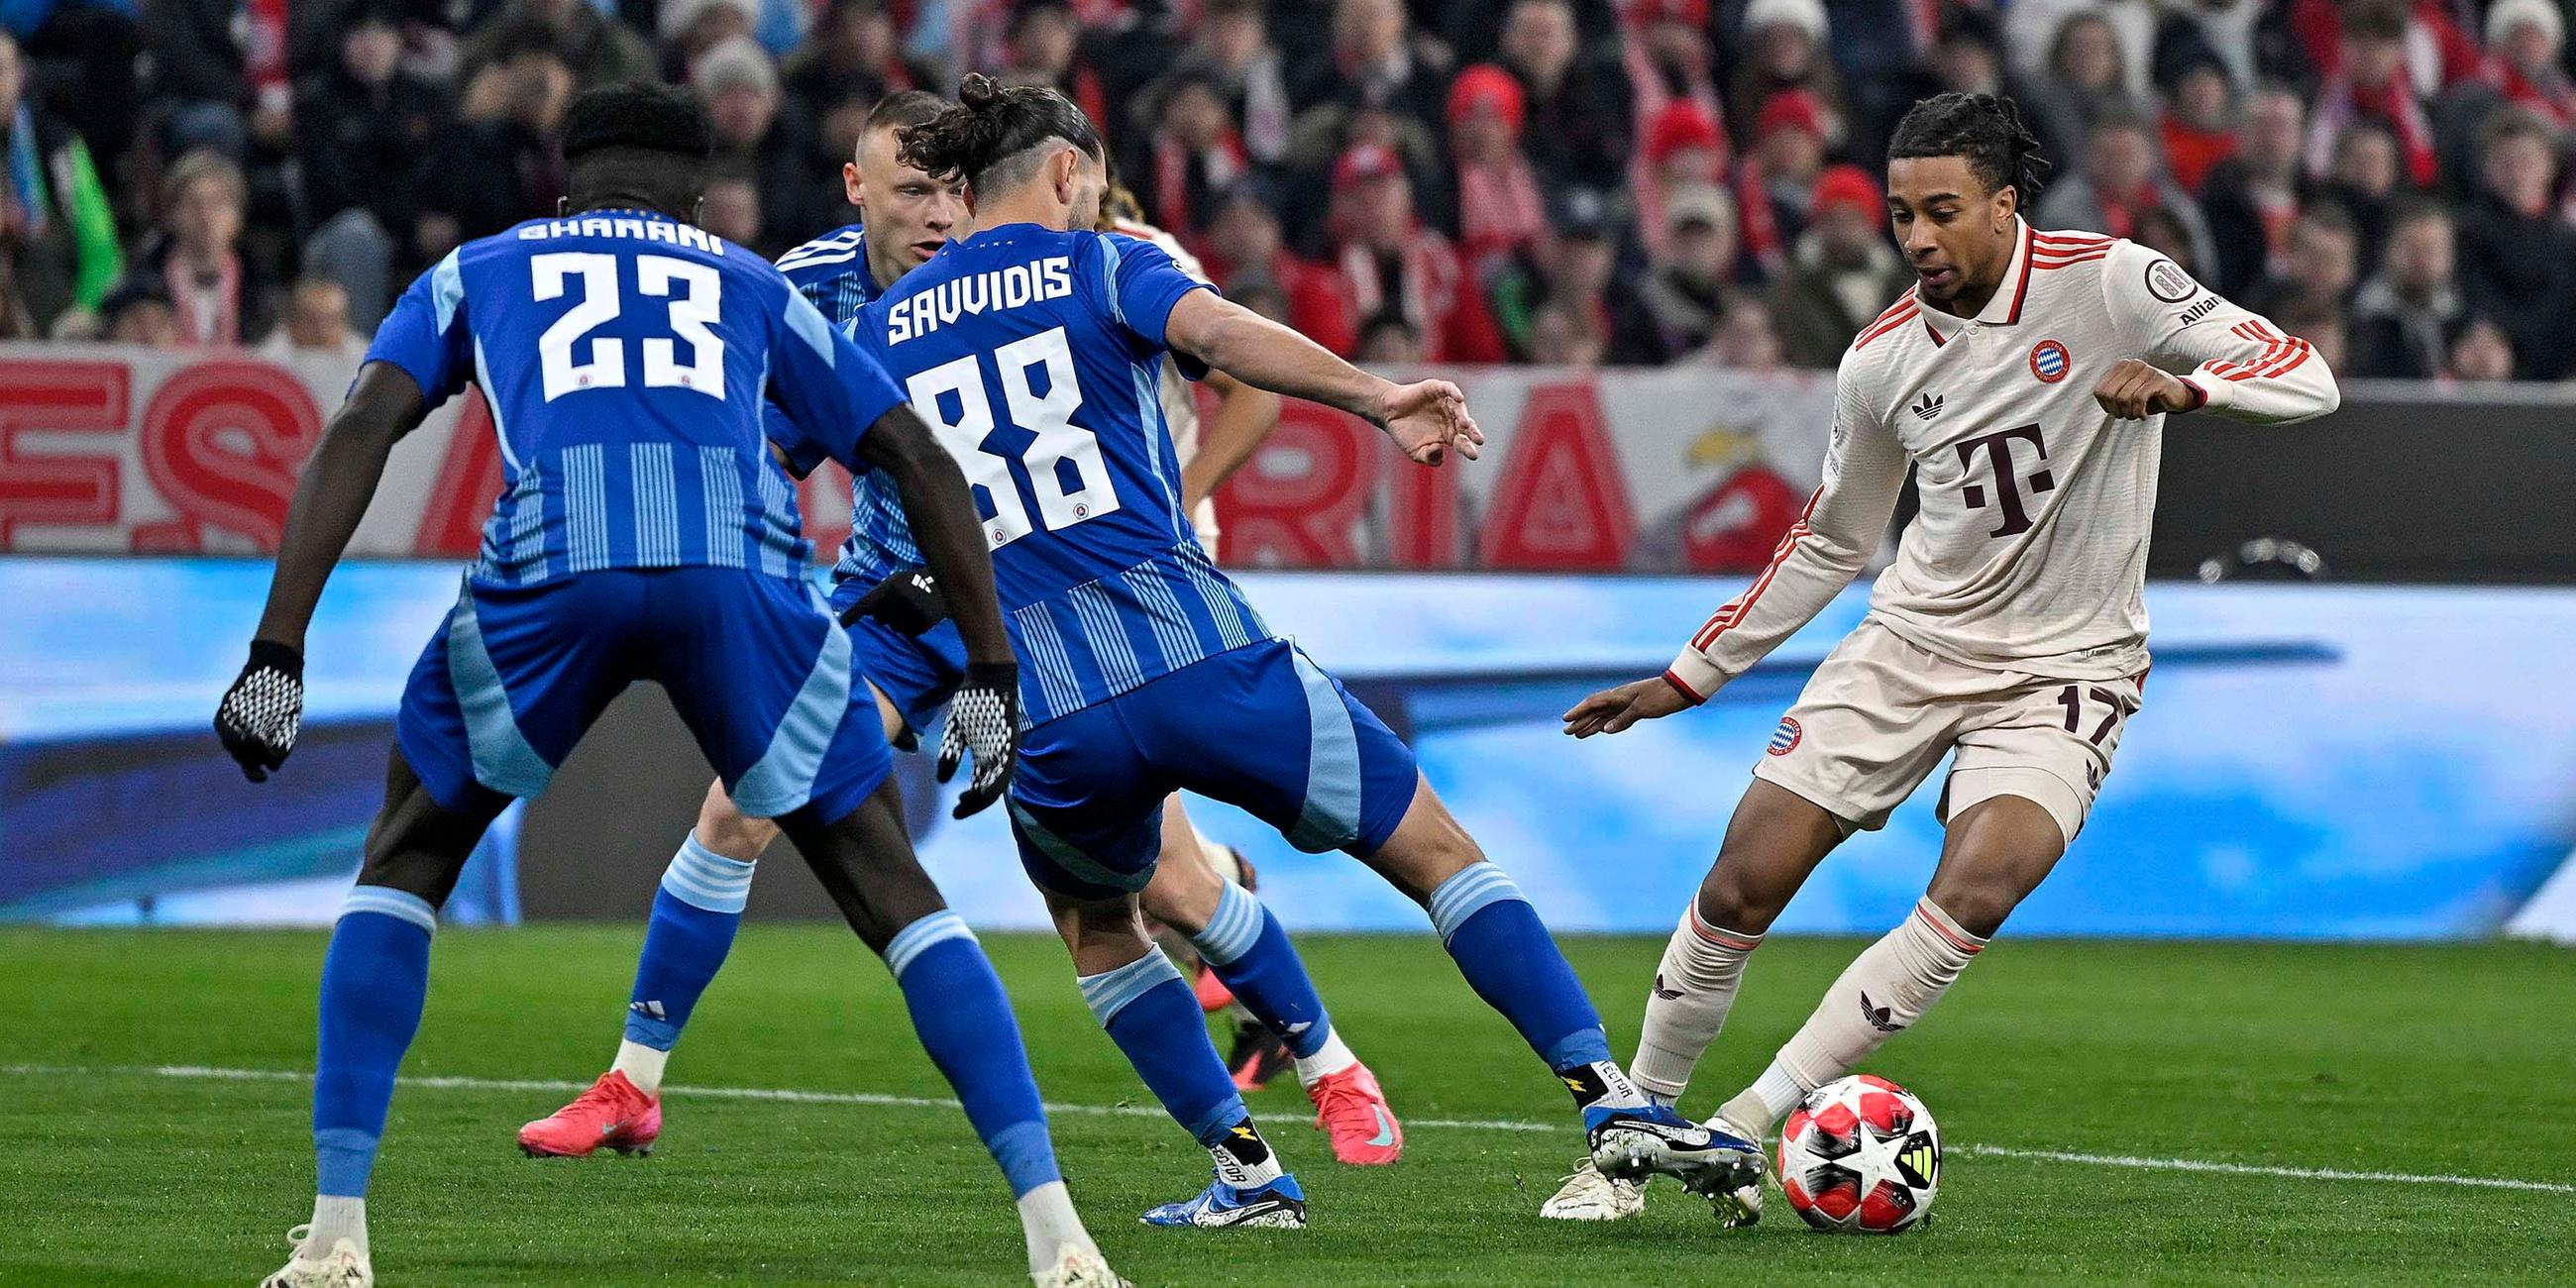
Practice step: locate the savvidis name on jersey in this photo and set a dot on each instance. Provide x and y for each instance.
(660, 230)
(1001, 288)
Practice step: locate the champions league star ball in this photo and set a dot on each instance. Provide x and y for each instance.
(1860, 1156)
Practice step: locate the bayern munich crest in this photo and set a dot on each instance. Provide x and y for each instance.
(2049, 361)
(1785, 738)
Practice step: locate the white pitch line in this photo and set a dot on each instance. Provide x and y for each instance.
(2255, 1169)
(791, 1096)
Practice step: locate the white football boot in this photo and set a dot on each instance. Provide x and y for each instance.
(343, 1266)
(1590, 1196)
(1080, 1268)
(1742, 1205)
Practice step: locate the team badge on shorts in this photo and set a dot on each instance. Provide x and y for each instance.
(2049, 361)
(1785, 738)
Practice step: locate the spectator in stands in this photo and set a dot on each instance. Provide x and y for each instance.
(193, 258)
(139, 312)
(2365, 177)
(498, 163)
(316, 323)
(2482, 353)
(1683, 149)
(366, 123)
(1784, 49)
(1244, 248)
(2161, 230)
(731, 210)
(2370, 83)
(1390, 339)
(2322, 324)
(1392, 264)
(2224, 29)
(2251, 197)
(81, 56)
(2199, 125)
(1377, 63)
(1774, 183)
(2437, 55)
(1747, 337)
(1559, 338)
(1043, 46)
(1964, 56)
(754, 138)
(2035, 34)
(1569, 272)
(1577, 110)
(57, 233)
(1233, 47)
(1664, 46)
(852, 57)
(599, 50)
(2405, 317)
(1843, 274)
(1193, 154)
(1673, 307)
(2082, 84)
(687, 29)
(1501, 212)
(2517, 258)
(222, 66)
(2318, 268)
(2125, 184)
(2526, 38)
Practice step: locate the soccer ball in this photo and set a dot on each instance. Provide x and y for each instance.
(1860, 1156)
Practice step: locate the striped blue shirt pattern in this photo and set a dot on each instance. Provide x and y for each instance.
(832, 271)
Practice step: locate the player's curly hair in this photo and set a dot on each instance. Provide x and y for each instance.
(1986, 129)
(992, 129)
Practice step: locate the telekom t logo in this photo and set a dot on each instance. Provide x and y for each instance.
(1999, 453)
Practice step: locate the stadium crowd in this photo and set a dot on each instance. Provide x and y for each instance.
(1569, 182)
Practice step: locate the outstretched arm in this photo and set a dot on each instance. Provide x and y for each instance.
(2199, 350)
(1426, 418)
(338, 484)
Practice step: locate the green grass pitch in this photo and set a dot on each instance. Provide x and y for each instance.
(2441, 1062)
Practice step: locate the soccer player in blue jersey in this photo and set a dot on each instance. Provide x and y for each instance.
(908, 217)
(1031, 348)
(645, 533)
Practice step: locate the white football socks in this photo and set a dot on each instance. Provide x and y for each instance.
(1329, 1059)
(642, 1066)
(1048, 1221)
(335, 1218)
(1885, 990)
(1694, 988)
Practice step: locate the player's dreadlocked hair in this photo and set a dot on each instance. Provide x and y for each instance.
(1986, 129)
(991, 135)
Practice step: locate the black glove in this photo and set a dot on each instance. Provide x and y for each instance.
(984, 719)
(264, 710)
(909, 602)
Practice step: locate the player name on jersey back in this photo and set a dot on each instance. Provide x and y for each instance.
(651, 230)
(1016, 286)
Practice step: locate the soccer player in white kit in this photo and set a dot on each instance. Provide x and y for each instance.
(2025, 379)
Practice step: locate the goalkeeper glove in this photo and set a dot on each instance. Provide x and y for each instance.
(984, 720)
(264, 710)
(909, 602)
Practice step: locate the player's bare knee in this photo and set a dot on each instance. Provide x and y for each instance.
(1427, 848)
(1728, 901)
(1185, 891)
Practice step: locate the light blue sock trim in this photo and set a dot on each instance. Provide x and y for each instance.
(401, 905)
(1582, 1046)
(342, 1158)
(913, 940)
(1464, 895)
(1109, 992)
(702, 878)
(1234, 929)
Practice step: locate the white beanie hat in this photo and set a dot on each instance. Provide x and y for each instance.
(1806, 15)
(2503, 15)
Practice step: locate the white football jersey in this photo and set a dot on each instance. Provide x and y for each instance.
(1179, 397)
(2030, 551)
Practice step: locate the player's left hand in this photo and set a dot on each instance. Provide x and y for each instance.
(983, 721)
(1613, 710)
(908, 602)
(1427, 419)
(263, 710)
(2135, 390)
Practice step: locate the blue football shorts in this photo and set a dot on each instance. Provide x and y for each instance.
(758, 669)
(1259, 727)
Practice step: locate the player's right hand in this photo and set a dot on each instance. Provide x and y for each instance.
(263, 710)
(908, 602)
(983, 721)
(1427, 419)
(1613, 710)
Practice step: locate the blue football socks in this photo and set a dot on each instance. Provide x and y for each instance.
(374, 978)
(965, 1023)
(695, 914)
(1248, 949)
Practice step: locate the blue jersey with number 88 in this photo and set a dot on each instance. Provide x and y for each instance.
(1034, 356)
(626, 358)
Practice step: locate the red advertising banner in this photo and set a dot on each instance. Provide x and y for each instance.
(107, 449)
